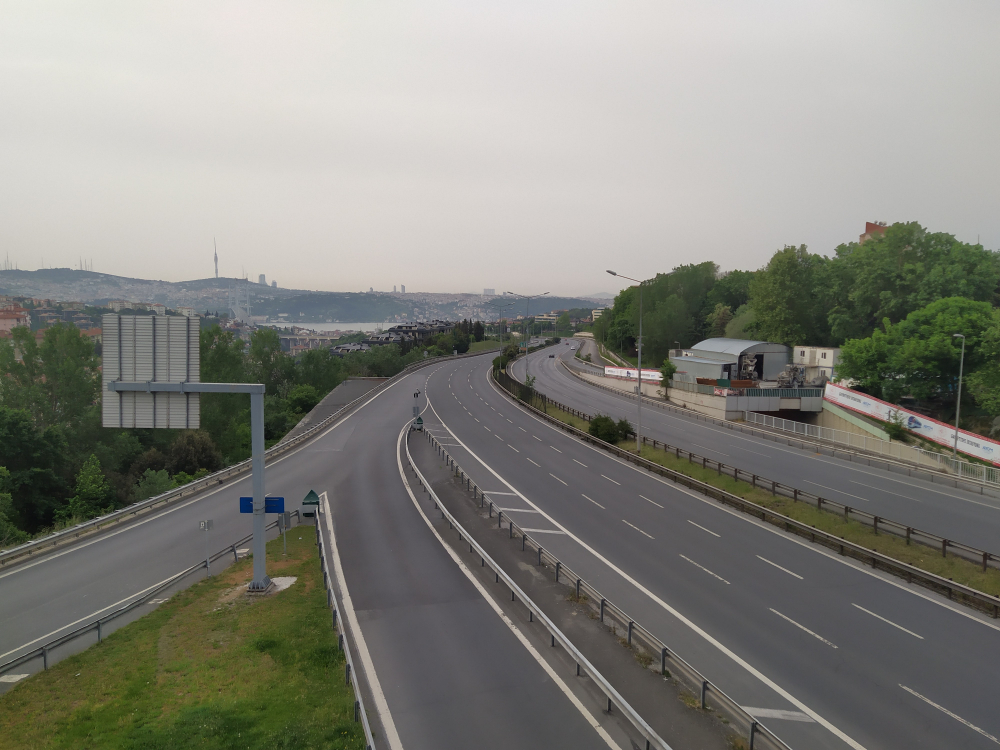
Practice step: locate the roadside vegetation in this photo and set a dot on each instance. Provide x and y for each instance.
(211, 667)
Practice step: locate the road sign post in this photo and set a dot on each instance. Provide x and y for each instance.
(151, 378)
(284, 521)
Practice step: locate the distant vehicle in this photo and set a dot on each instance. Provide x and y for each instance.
(551, 356)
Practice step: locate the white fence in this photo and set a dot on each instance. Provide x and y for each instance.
(872, 444)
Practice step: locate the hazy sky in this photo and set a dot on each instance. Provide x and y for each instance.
(516, 145)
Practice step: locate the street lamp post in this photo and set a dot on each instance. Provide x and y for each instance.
(958, 403)
(638, 429)
(527, 303)
(500, 309)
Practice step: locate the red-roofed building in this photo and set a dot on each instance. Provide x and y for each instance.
(871, 229)
(12, 317)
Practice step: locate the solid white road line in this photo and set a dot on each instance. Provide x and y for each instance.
(538, 465)
(888, 492)
(803, 628)
(544, 531)
(595, 502)
(581, 463)
(694, 627)
(705, 569)
(704, 529)
(780, 568)
(381, 705)
(650, 501)
(890, 622)
(517, 510)
(558, 479)
(577, 703)
(611, 480)
(970, 725)
(637, 529)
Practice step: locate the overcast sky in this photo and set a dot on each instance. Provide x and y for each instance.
(516, 145)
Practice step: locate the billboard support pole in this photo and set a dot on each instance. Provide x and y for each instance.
(260, 580)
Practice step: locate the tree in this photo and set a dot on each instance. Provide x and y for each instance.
(37, 464)
(718, 320)
(321, 370)
(562, 323)
(784, 298)
(667, 371)
(919, 356)
(303, 398)
(268, 364)
(478, 331)
(10, 535)
(193, 450)
(93, 493)
(153, 483)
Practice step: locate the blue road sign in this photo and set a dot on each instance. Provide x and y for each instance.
(271, 505)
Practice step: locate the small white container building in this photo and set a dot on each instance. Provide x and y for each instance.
(819, 361)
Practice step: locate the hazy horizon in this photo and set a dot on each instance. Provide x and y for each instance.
(523, 146)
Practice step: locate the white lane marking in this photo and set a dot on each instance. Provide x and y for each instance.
(777, 713)
(555, 449)
(490, 492)
(558, 479)
(611, 480)
(650, 501)
(538, 465)
(347, 604)
(888, 492)
(581, 463)
(704, 529)
(834, 489)
(508, 420)
(497, 437)
(553, 675)
(476, 418)
(637, 529)
(803, 628)
(890, 622)
(12, 677)
(522, 429)
(517, 510)
(487, 428)
(713, 450)
(697, 565)
(86, 617)
(537, 438)
(780, 568)
(765, 455)
(955, 716)
(544, 531)
(694, 627)
(513, 448)
(595, 502)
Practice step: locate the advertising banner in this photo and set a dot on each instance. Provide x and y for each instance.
(624, 373)
(939, 432)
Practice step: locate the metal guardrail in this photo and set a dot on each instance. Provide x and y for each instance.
(98, 624)
(638, 638)
(872, 444)
(70, 535)
(351, 674)
(854, 454)
(966, 595)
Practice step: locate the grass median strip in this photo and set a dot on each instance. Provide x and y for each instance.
(211, 667)
(952, 567)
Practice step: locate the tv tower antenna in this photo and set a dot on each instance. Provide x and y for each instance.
(216, 257)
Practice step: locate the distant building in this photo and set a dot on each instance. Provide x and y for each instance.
(188, 312)
(13, 317)
(402, 288)
(262, 280)
(730, 359)
(274, 284)
(871, 229)
(393, 288)
(818, 361)
(595, 314)
(489, 292)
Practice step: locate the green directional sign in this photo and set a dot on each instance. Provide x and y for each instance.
(311, 499)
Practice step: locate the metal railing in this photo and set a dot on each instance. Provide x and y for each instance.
(344, 644)
(70, 535)
(966, 595)
(872, 444)
(853, 454)
(142, 598)
(638, 638)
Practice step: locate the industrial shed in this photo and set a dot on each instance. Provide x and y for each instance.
(725, 358)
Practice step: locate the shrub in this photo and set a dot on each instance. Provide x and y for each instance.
(604, 428)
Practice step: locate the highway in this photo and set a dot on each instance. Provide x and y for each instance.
(827, 653)
(954, 514)
(453, 674)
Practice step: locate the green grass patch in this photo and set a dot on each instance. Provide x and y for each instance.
(483, 346)
(210, 668)
(952, 567)
(567, 418)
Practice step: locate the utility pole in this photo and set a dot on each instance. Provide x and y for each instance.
(527, 304)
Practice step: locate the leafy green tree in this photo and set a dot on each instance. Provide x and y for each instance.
(718, 320)
(479, 331)
(667, 371)
(193, 450)
(919, 356)
(603, 428)
(268, 364)
(742, 324)
(37, 464)
(10, 534)
(784, 299)
(93, 493)
(153, 483)
(303, 398)
(71, 374)
(321, 370)
(562, 322)
(223, 360)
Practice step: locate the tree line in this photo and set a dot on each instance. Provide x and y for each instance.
(891, 303)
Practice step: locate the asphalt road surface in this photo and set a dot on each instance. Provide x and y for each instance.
(453, 674)
(951, 513)
(825, 652)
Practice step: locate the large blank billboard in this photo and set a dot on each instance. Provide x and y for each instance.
(148, 348)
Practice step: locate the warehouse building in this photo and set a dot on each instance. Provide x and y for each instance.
(730, 359)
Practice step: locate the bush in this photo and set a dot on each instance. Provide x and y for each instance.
(153, 483)
(604, 428)
(625, 429)
(303, 398)
(894, 427)
(191, 451)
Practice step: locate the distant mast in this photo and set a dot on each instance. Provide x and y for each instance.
(216, 257)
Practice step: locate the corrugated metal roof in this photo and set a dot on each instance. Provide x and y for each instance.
(732, 346)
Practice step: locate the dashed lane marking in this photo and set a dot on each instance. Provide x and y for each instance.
(637, 529)
(704, 529)
(697, 565)
(803, 628)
